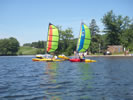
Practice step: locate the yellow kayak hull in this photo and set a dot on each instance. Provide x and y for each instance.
(53, 60)
(89, 60)
(37, 59)
(47, 60)
(58, 60)
(63, 57)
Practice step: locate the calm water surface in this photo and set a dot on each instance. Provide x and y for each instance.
(110, 78)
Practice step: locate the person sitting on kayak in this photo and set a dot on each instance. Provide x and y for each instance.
(82, 58)
(54, 57)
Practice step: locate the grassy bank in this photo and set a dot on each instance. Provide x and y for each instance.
(24, 50)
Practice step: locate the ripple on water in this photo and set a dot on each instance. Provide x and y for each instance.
(108, 79)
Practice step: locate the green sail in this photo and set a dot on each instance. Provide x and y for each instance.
(53, 38)
(84, 39)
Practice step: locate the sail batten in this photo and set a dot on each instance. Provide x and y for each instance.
(53, 38)
(84, 38)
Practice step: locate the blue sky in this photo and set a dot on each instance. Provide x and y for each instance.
(27, 20)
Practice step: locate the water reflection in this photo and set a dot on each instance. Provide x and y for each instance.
(86, 72)
(85, 78)
(108, 79)
(52, 72)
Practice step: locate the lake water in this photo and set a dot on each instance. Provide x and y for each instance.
(110, 78)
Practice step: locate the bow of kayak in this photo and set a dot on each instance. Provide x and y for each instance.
(89, 60)
(37, 59)
(46, 59)
(81, 60)
(76, 60)
(63, 57)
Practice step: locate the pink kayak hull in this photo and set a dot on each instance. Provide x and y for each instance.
(76, 60)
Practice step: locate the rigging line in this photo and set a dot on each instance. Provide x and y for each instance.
(51, 41)
(53, 49)
(85, 38)
(84, 44)
(84, 49)
(53, 45)
(54, 35)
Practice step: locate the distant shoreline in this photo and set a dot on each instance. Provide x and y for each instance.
(122, 55)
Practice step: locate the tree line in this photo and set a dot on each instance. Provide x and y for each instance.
(9, 46)
(118, 30)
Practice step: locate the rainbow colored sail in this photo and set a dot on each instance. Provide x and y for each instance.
(53, 38)
(84, 38)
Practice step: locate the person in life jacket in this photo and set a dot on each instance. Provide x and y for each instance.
(82, 57)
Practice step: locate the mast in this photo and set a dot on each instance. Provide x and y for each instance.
(79, 37)
(47, 39)
(84, 39)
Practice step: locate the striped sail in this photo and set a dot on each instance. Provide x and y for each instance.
(53, 38)
(84, 38)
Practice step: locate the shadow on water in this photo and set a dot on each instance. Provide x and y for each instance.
(51, 71)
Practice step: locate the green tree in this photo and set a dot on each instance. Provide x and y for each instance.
(94, 29)
(104, 43)
(96, 44)
(9, 46)
(39, 44)
(3, 46)
(13, 46)
(27, 44)
(34, 44)
(114, 26)
(127, 38)
(65, 41)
